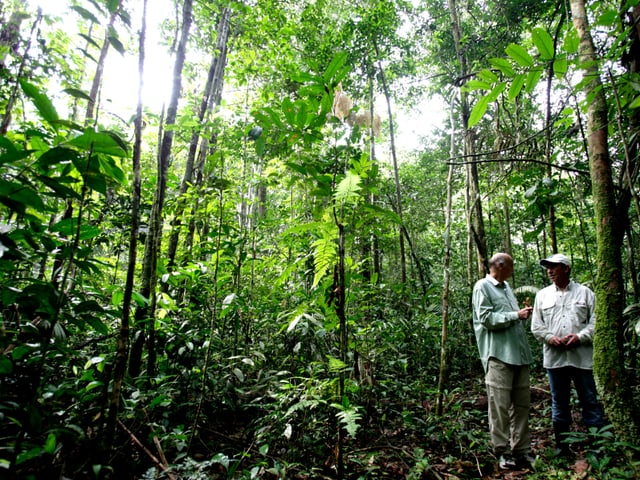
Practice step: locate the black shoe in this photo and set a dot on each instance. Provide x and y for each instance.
(526, 460)
(507, 462)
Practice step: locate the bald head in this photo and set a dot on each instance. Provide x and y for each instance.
(501, 266)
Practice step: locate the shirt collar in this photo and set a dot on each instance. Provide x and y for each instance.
(495, 282)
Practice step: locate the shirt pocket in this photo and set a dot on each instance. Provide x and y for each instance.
(581, 313)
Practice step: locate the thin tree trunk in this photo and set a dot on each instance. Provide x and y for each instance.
(387, 96)
(548, 147)
(609, 369)
(474, 208)
(123, 337)
(443, 379)
(152, 244)
(97, 78)
(211, 96)
(10, 39)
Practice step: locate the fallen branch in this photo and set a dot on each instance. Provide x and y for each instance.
(153, 458)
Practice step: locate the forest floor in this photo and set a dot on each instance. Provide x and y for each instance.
(467, 455)
(406, 440)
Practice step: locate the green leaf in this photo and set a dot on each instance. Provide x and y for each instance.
(487, 76)
(560, 67)
(19, 197)
(336, 365)
(324, 253)
(503, 65)
(77, 93)
(571, 41)
(6, 365)
(335, 65)
(68, 226)
(99, 142)
(117, 44)
(42, 103)
(301, 115)
(348, 416)
(533, 77)
(609, 18)
(519, 54)
(477, 85)
(543, 42)
(86, 14)
(479, 110)
(497, 90)
(288, 108)
(516, 86)
(50, 444)
(635, 103)
(14, 155)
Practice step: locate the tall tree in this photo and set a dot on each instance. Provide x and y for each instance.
(154, 237)
(609, 367)
(474, 202)
(122, 350)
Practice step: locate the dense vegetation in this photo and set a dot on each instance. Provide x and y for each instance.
(255, 273)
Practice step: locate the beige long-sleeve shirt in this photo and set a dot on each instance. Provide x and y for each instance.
(558, 313)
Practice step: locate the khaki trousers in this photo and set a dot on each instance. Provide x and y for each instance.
(509, 396)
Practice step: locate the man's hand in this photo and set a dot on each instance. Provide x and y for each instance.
(524, 313)
(571, 340)
(556, 341)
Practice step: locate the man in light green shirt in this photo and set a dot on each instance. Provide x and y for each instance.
(505, 353)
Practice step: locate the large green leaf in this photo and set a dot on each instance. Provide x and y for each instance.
(336, 65)
(42, 103)
(348, 190)
(519, 54)
(324, 253)
(533, 78)
(479, 110)
(571, 41)
(99, 142)
(516, 86)
(19, 197)
(502, 65)
(543, 42)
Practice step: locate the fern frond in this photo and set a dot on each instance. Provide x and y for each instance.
(325, 253)
(348, 189)
(335, 364)
(348, 416)
(530, 289)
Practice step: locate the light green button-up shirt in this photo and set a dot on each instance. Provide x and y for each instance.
(558, 313)
(499, 332)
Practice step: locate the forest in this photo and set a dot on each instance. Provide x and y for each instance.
(239, 238)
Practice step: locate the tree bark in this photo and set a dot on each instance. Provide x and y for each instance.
(211, 96)
(152, 243)
(120, 364)
(609, 369)
(387, 96)
(475, 219)
(97, 78)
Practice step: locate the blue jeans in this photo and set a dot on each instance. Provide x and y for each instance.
(560, 380)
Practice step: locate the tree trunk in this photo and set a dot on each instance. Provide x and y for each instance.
(443, 379)
(120, 364)
(152, 244)
(609, 369)
(97, 78)
(10, 41)
(474, 207)
(211, 96)
(387, 96)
